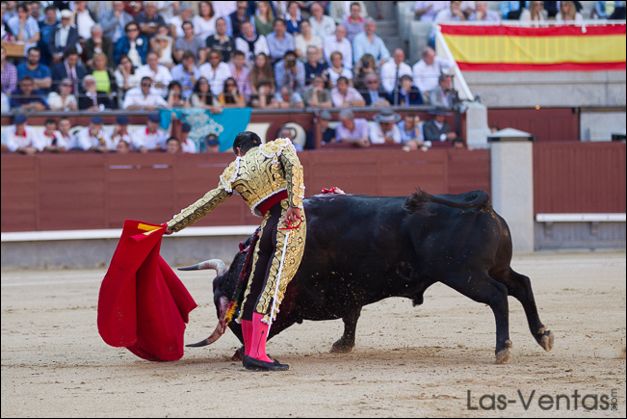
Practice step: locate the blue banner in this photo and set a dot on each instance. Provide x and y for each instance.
(225, 125)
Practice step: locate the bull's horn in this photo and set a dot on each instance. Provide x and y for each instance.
(217, 264)
(217, 333)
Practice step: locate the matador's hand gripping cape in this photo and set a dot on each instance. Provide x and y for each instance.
(143, 305)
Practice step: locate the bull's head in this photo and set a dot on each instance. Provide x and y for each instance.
(224, 286)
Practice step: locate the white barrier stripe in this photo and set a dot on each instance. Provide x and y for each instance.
(115, 233)
(582, 218)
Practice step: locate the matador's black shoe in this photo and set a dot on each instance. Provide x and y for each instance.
(257, 365)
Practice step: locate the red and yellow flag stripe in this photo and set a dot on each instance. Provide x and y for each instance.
(515, 48)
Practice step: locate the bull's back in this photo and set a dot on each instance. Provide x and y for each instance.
(353, 243)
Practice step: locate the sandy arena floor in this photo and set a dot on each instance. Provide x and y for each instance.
(408, 361)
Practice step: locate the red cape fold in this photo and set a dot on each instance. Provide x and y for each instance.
(142, 304)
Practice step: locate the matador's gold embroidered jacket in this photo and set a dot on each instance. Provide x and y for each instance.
(262, 172)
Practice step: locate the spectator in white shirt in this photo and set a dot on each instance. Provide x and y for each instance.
(65, 135)
(5, 105)
(568, 13)
(150, 137)
(20, 138)
(224, 8)
(483, 14)
(173, 146)
(84, 19)
(250, 43)
(143, 97)
(453, 14)
(341, 9)
(368, 42)
(337, 69)
(205, 21)
(428, 70)
(383, 130)
(93, 137)
(321, 25)
(339, 42)
(120, 132)
(352, 130)
(159, 74)
(125, 75)
(393, 70)
(426, 11)
(216, 71)
(187, 144)
(305, 39)
(50, 139)
(64, 100)
(186, 14)
(343, 95)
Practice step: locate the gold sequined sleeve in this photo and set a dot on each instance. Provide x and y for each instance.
(204, 205)
(293, 175)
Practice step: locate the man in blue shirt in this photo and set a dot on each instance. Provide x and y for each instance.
(25, 99)
(35, 70)
(279, 41)
(369, 43)
(46, 30)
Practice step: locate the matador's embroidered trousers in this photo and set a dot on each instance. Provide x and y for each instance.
(276, 259)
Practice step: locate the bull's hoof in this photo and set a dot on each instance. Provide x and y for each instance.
(238, 355)
(547, 340)
(340, 347)
(504, 355)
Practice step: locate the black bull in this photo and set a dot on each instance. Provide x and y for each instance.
(362, 249)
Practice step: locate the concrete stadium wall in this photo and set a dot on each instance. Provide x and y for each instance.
(558, 89)
(600, 124)
(579, 235)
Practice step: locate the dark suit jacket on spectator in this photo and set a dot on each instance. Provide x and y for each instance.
(312, 71)
(226, 48)
(59, 72)
(413, 96)
(368, 97)
(85, 102)
(72, 41)
(236, 23)
(107, 49)
(433, 133)
(18, 99)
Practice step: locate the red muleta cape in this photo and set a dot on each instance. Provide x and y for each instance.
(142, 304)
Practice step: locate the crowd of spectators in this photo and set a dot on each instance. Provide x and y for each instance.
(147, 55)
(90, 56)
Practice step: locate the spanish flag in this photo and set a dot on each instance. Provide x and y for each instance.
(553, 48)
(142, 304)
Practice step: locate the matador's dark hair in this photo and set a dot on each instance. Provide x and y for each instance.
(246, 140)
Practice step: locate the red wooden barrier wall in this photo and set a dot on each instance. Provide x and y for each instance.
(546, 124)
(89, 191)
(579, 177)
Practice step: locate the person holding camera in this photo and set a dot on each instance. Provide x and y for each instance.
(290, 72)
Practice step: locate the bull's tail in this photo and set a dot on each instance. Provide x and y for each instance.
(474, 199)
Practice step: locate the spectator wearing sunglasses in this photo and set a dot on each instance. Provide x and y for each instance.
(143, 97)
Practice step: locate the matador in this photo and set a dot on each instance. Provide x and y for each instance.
(269, 177)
